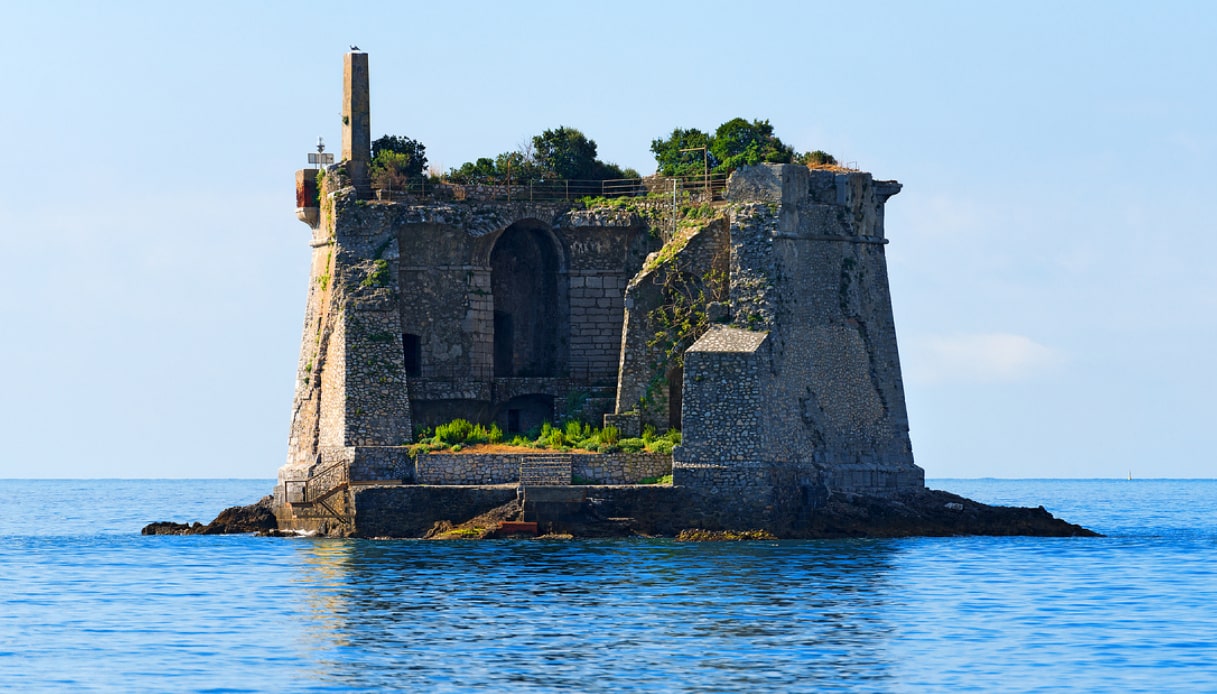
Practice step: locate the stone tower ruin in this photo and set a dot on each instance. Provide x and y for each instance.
(503, 305)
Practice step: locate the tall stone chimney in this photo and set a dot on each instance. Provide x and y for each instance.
(356, 120)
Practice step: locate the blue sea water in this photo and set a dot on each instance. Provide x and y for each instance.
(89, 604)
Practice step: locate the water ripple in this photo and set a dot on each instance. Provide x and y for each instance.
(105, 610)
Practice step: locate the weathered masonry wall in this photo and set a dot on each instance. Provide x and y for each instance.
(418, 314)
(647, 377)
(600, 468)
(606, 248)
(725, 410)
(808, 272)
(410, 511)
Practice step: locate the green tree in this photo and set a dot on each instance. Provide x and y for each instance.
(396, 160)
(672, 161)
(482, 171)
(568, 153)
(739, 143)
(815, 158)
(520, 168)
(560, 153)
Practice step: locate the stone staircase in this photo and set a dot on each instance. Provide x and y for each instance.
(545, 470)
(318, 495)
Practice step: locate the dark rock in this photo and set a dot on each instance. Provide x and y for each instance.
(254, 518)
(171, 528)
(931, 513)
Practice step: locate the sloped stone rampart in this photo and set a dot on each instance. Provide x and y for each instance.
(823, 392)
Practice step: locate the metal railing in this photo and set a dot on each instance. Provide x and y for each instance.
(706, 188)
(318, 488)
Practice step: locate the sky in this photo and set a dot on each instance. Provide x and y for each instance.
(1051, 257)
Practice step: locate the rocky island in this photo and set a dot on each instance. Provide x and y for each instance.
(743, 319)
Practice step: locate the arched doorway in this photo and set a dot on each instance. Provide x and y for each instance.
(525, 264)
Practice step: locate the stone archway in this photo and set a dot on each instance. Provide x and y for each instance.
(529, 302)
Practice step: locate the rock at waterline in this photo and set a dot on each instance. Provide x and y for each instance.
(254, 518)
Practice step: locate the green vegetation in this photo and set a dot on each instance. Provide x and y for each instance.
(738, 142)
(690, 162)
(562, 153)
(572, 436)
(379, 276)
(396, 161)
(454, 436)
(700, 535)
(682, 318)
(320, 181)
(473, 533)
(816, 158)
(653, 208)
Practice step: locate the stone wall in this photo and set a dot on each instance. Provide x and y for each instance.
(504, 468)
(597, 304)
(675, 276)
(381, 464)
(620, 468)
(725, 411)
(410, 511)
(808, 269)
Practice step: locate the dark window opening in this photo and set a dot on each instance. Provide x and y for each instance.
(513, 421)
(676, 382)
(412, 350)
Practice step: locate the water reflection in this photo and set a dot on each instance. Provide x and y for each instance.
(599, 614)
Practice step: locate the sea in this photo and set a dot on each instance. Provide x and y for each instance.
(88, 604)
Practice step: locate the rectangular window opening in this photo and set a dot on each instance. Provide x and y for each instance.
(412, 349)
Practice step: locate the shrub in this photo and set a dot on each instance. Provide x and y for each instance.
(610, 435)
(661, 446)
(456, 431)
(648, 433)
(576, 431)
(632, 445)
(396, 160)
(816, 158)
(589, 443)
(479, 434)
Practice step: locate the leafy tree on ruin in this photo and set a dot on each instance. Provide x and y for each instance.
(733, 144)
(568, 153)
(740, 143)
(673, 162)
(562, 153)
(815, 158)
(396, 160)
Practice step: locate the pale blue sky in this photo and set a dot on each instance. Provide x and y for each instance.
(1051, 254)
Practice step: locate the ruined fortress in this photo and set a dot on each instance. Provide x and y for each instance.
(502, 305)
